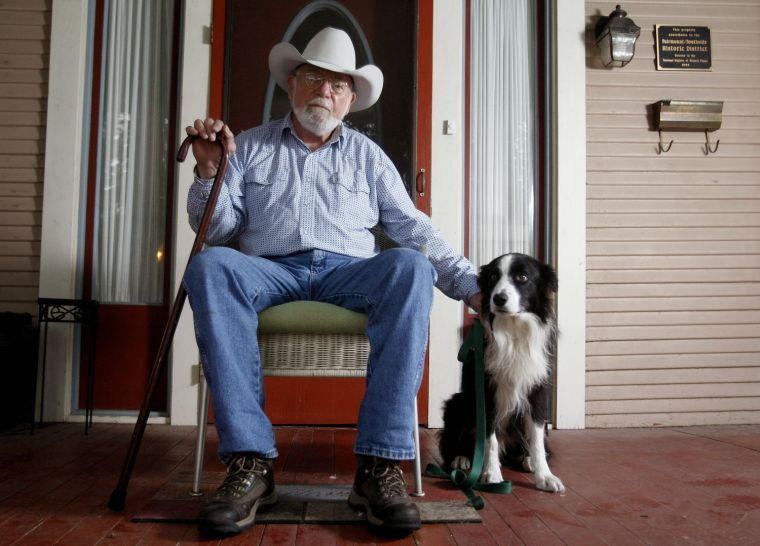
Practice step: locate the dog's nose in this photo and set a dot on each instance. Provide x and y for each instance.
(500, 299)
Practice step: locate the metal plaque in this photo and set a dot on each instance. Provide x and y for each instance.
(683, 48)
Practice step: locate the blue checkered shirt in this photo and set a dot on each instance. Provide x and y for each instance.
(280, 198)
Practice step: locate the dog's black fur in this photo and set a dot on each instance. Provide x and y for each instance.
(520, 326)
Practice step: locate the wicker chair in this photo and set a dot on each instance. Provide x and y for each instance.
(309, 339)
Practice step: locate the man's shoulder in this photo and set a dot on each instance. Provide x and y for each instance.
(263, 132)
(354, 136)
(357, 142)
(257, 142)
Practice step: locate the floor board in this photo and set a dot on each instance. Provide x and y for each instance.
(693, 485)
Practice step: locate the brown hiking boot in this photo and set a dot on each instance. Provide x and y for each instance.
(380, 491)
(249, 485)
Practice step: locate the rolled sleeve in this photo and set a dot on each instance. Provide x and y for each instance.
(228, 217)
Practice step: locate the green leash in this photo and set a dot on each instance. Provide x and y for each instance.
(469, 482)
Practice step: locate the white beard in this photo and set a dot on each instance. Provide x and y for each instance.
(315, 119)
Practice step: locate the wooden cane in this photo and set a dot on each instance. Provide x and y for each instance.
(119, 494)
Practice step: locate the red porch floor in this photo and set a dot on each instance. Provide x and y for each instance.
(698, 485)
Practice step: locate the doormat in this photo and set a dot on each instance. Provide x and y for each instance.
(296, 504)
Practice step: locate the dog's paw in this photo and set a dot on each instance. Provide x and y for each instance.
(527, 464)
(491, 474)
(550, 482)
(461, 462)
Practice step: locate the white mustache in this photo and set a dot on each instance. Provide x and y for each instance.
(324, 103)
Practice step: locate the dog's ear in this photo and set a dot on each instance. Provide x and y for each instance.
(483, 277)
(550, 277)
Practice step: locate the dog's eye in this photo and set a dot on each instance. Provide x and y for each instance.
(521, 278)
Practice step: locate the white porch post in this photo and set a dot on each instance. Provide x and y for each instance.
(570, 198)
(65, 134)
(193, 103)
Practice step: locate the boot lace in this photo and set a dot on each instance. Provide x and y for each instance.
(241, 473)
(389, 478)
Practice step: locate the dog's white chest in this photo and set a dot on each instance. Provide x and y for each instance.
(517, 360)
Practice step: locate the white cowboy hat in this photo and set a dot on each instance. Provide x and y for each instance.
(332, 50)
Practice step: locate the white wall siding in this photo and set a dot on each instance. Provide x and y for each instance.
(673, 239)
(24, 50)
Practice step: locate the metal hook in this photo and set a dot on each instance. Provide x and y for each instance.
(709, 150)
(661, 148)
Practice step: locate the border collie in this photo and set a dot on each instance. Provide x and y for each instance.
(518, 317)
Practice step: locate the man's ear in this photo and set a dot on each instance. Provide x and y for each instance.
(291, 86)
(350, 102)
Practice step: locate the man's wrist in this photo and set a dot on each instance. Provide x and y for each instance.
(475, 301)
(202, 174)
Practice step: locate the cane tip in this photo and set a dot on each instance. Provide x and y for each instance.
(117, 500)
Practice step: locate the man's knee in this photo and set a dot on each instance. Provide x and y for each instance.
(207, 263)
(413, 265)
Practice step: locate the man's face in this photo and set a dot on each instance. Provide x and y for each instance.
(320, 98)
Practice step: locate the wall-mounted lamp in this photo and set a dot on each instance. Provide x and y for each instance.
(616, 37)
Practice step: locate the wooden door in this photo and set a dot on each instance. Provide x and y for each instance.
(395, 35)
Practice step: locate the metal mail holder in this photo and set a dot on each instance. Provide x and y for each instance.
(688, 115)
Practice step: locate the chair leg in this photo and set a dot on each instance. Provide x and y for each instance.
(418, 492)
(200, 443)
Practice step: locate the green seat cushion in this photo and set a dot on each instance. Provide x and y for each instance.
(311, 317)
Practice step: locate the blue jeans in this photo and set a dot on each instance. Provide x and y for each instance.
(227, 290)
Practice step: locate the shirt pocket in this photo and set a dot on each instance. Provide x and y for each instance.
(350, 193)
(264, 192)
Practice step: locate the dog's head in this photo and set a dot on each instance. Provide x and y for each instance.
(513, 284)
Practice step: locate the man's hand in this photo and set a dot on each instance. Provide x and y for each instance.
(205, 149)
(476, 301)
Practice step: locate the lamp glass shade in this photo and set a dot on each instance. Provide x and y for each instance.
(616, 37)
(623, 46)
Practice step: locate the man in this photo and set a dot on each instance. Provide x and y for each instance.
(300, 196)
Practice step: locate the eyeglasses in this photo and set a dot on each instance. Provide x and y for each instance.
(315, 81)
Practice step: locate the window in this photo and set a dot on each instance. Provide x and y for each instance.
(503, 129)
(135, 103)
